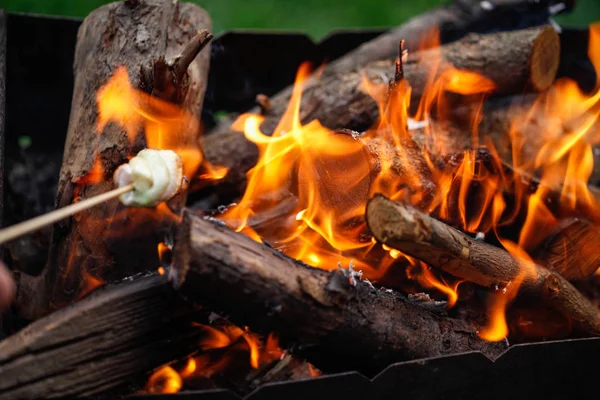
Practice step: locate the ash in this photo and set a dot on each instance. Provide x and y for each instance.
(353, 275)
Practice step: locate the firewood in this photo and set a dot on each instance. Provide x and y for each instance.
(453, 21)
(106, 341)
(513, 60)
(156, 41)
(419, 235)
(336, 319)
(573, 251)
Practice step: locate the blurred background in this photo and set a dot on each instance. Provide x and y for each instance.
(315, 17)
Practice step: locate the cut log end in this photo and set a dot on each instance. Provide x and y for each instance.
(574, 250)
(545, 58)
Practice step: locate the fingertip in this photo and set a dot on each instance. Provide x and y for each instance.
(7, 288)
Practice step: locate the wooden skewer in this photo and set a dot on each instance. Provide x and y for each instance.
(31, 225)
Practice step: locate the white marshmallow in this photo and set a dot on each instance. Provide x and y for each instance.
(157, 175)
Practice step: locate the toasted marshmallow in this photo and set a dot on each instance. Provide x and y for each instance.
(157, 176)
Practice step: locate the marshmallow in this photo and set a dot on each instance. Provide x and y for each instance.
(157, 176)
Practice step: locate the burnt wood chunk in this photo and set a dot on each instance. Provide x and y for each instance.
(157, 41)
(333, 318)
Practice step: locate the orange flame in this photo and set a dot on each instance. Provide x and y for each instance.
(218, 349)
(323, 179)
(165, 125)
(164, 380)
(594, 50)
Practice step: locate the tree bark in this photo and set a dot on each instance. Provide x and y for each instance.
(513, 60)
(145, 36)
(108, 340)
(325, 313)
(416, 234)
(574, 250)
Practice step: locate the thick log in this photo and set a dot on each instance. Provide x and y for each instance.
(108, 340)
(404, 228)
(325, 313)
(453, 21)
(513, 60)
(573, 250)
(156, 41)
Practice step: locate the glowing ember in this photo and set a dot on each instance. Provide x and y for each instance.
(221, 347)
(164, 380)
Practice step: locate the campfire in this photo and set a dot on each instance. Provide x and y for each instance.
(430, 193)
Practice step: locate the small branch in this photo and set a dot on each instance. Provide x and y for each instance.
(169, 80)
(419, 235)
(190, 52)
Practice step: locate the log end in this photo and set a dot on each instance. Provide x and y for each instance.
(388, 220)
(574, 250)
(545, 58)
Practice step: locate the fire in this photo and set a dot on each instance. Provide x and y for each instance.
(323, 179)
(594, 50)
(220, 350)
(164, 380)
(330, 175)
(165, 125)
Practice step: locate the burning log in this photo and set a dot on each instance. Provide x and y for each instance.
(573, 250)
(158, 43)
(453, 21)
(334, 317)
(404, 228)
(105, 341)
(512, 60)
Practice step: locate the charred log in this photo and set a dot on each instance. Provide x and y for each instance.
(156, 41)
(108, 340)
(325, 313)
(414, 233)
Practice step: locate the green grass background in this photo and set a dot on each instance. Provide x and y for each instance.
(315, 17)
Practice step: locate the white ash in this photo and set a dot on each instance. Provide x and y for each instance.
(215, 221)
(369, 284)
(386, 290)
(480, 236)
(351, 273)
(222, 208)
(424, 298)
